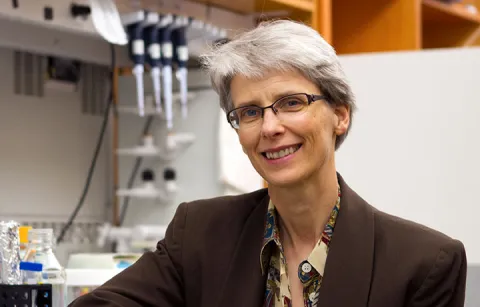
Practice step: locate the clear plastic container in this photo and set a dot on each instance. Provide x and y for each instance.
(31, 273)
(40, 250)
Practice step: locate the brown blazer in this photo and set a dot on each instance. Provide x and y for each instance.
(210, 257)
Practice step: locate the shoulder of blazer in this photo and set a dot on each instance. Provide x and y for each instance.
(419, 245)
(223, 216)
(219, 207)
(407, 232)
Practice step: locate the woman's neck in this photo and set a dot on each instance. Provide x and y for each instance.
(305, 209)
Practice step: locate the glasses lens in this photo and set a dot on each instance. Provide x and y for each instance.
(292, 103)
(245, 116)
(233, 119)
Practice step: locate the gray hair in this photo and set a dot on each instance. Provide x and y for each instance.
(280, 45)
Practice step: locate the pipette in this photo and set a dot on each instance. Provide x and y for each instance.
(179, 39)
(167, 55)
(152, 42)
(134, 22)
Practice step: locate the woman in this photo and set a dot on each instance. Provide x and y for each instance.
(307, 240)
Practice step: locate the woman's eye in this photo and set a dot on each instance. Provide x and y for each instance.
(250, 112)
(290, 104)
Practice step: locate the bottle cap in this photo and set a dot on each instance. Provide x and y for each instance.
(23, 232)
(31, 266)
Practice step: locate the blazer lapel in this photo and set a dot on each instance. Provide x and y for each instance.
(349, 264)
(244, 284)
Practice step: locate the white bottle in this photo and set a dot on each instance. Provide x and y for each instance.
(40, 250)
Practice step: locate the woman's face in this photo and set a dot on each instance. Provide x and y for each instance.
(269, 144)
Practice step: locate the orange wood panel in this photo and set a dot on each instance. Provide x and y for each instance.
(474, 39)
(289, 6)
(285, 9)
(303, 5)
(242, 6)
(448, 25)
(448, 36)
(322, 19)
(376, 25)
(434, 11)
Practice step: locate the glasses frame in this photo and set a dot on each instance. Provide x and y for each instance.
(310, 98)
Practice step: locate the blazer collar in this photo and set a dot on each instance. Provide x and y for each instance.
(348, 270)
(244, 284)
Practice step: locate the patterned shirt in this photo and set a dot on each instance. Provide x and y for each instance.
(310, 271)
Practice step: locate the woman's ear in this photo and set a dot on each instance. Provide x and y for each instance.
(342, 119)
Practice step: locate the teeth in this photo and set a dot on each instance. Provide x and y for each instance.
(282, 153)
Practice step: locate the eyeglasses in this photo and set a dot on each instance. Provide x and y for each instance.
(247, 116)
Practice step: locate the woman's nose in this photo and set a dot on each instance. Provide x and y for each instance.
(271, 124)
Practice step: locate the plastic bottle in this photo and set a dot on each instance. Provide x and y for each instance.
(31, 273)
(40, 250)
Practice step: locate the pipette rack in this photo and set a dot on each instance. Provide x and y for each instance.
(26, 295)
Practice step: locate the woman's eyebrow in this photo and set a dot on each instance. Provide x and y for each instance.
(277, 96)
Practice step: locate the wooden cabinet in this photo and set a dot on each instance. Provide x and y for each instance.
(354, 26)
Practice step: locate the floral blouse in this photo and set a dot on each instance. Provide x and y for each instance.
(310, 271)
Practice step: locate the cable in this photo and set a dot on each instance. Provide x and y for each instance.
(91, 170)
(133, 174)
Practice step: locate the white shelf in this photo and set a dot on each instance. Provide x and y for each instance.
(89, 277)
(134, 110)
(147, 153)
(136, 193)
(177, 143)
(140, 151)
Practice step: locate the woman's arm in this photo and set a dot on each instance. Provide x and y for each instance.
(444, 285)
(154, 280)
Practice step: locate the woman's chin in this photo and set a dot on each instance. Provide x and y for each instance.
(284, 180)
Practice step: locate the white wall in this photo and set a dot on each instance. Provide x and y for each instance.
(414, 148)
(46, 145)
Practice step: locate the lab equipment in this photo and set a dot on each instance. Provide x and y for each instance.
(146, 149)
(31, 272)
(152, 42)
(87, 271)
(200, 36)
(40, 250)
(10, 253)
(167, 23)
(148, 189)
(175, 144)
(170, 176)
(135, 23)
(25, 295)
(106, 21)
(136, 239)
(179, 39)
(23, 234)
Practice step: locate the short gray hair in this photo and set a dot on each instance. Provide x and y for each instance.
(279, 45)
